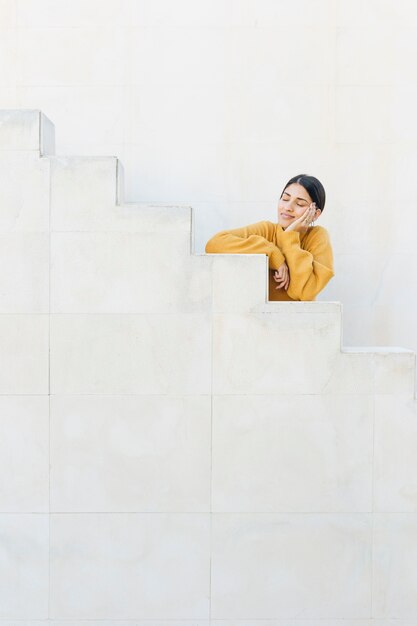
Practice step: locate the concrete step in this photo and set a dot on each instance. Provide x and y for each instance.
(26, 130)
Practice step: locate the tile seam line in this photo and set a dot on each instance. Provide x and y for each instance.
(49, 369)
(208, 512)
(372, 554)
(118, 394)
(171, 314)
(211, 439)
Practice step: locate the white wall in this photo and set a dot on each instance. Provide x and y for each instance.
(217, 103)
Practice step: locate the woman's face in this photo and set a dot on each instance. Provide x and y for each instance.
(293, 203)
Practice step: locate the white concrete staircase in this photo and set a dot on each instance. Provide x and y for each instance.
(174, 449)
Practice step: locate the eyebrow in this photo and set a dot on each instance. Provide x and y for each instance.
(288, 194)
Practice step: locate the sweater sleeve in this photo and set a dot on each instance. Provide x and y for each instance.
(310, 268)
(253, 239)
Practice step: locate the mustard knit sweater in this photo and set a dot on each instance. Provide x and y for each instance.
(309, 255)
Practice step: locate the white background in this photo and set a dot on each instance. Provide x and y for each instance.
(217, 103)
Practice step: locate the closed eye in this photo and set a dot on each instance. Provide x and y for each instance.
(298, 203)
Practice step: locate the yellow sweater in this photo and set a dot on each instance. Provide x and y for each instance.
(309, 255)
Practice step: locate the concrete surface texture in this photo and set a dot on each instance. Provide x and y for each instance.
(175, 450)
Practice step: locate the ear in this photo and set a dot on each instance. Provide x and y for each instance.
(317, 213)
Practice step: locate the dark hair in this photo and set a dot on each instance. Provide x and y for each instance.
(313, 186)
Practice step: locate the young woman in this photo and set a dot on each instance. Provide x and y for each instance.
(300, 253)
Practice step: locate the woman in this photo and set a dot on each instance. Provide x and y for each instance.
(300, 253)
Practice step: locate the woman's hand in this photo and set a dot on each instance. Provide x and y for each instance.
(301, 224)
(282, 277)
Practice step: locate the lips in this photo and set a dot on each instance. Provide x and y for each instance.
(286, 215)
